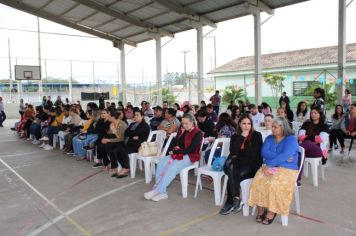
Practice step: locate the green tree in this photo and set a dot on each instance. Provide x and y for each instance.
(232, 93)
(166, 96)
(275, 81)
(330, 94)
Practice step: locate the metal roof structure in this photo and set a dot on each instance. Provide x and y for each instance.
(135, 21)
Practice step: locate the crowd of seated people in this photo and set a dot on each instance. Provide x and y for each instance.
(263, 146)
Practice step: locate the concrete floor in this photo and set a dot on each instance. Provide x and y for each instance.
(96, 204)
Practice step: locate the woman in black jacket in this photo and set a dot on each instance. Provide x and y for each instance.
(136, 133)
(243, 162)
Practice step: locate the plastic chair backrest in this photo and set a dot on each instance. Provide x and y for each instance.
(225, 149)
(160, 137)
(302, 158)
(168, 143)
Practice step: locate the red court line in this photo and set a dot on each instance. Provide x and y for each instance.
(54, 198)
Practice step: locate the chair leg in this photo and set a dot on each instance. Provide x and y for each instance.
(322, 172)
(284, 220)
(197, 185)
(297, 200)
(305, 170)
(133, 163)
(140, 165)
(314, 167)
(148, 174)
(184, 182)
(217, 190)
(226, 178)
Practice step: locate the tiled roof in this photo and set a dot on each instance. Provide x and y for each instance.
(298, 58)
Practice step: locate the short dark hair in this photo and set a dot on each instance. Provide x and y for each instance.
(251, 106)
(209, 106)
(202, 113)
(171, 111)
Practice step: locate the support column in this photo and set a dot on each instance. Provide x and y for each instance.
(258, 64)
(40, 86)
(200, 64)
(123, 72)
(71, 82)
(341, 50)
(159, 70)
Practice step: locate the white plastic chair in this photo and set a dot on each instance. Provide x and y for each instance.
(55, 140)
(216, 175)
(296, 127)
(162, 150)
(314, 164)
(284, 218)
(160, 135)
(157, 159)
(184, 173)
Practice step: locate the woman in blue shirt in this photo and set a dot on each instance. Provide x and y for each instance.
(273, 185)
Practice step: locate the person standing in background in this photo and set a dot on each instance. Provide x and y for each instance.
(215, 101)
(22, 107)
(346, 100)
(2, 112)
(284, 98)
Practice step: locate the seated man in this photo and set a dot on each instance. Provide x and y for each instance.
(170, 124)
(348, 125)
(157, 118)
(256, 117)
(205, 124)
(211, 113)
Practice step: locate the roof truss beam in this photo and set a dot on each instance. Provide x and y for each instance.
(186, 12)
(29, 9)
(123, 17)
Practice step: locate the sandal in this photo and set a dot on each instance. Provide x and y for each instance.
(268, 221)
(260, 218)
(81, 158)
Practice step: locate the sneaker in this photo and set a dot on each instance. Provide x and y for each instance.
(48, 148)
(149, 195)
(36, 142)
(13, 129)
(70, 153)
(342, 151)
(97, 165)
(330, 150)
(159, 197)
(44, 138)
(43, 145)
(227, 208)
(336, 147)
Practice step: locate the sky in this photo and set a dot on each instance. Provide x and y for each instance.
(306, 25)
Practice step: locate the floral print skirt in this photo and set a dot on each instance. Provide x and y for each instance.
(274, 192)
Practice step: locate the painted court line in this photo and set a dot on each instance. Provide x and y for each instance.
(77, 208)
(70, 220)
(18, 154)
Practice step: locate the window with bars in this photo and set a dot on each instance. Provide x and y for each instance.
(300, 88)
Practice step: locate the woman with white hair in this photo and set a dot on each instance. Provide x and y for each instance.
(274, 183)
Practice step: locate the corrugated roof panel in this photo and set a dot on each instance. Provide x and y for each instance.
(116, 24)
(140, 38)
(228, 13)
(79, 13)
(129, 31)
(149, 11)
(59, 6)
(105, 2)
(96, 19)
(128, 5)
(36, 4)
(166, 18)
(211, 5)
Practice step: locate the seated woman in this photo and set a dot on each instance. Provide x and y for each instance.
(170, 124)
(54, 128)
(348, 125)
(87, 135)
(24, 126)
(136, 133)
(302, 114)
(282, 112)
(35, 128)
(186, 152)
(205, 124)
(266, 130)
(274, 183)
(243, 162)
(335, 130)
(225, 128)
(71, 122)
(114, 140)
(313, 135)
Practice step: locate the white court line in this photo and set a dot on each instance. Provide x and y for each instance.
(77, 208)
(16, 167)
(18, 154)
(70, 220)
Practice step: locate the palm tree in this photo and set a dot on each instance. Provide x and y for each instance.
(232, 93)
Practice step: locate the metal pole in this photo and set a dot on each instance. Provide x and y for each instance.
(158, 70)
(123, 71)
(200, 63)
(93, 76)
(40, 89)
(71, 81)
(10, 70)
(258, 64)
(19, 85)
(215, 52)
(185, 74)
(341, 50)
(118, 82)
